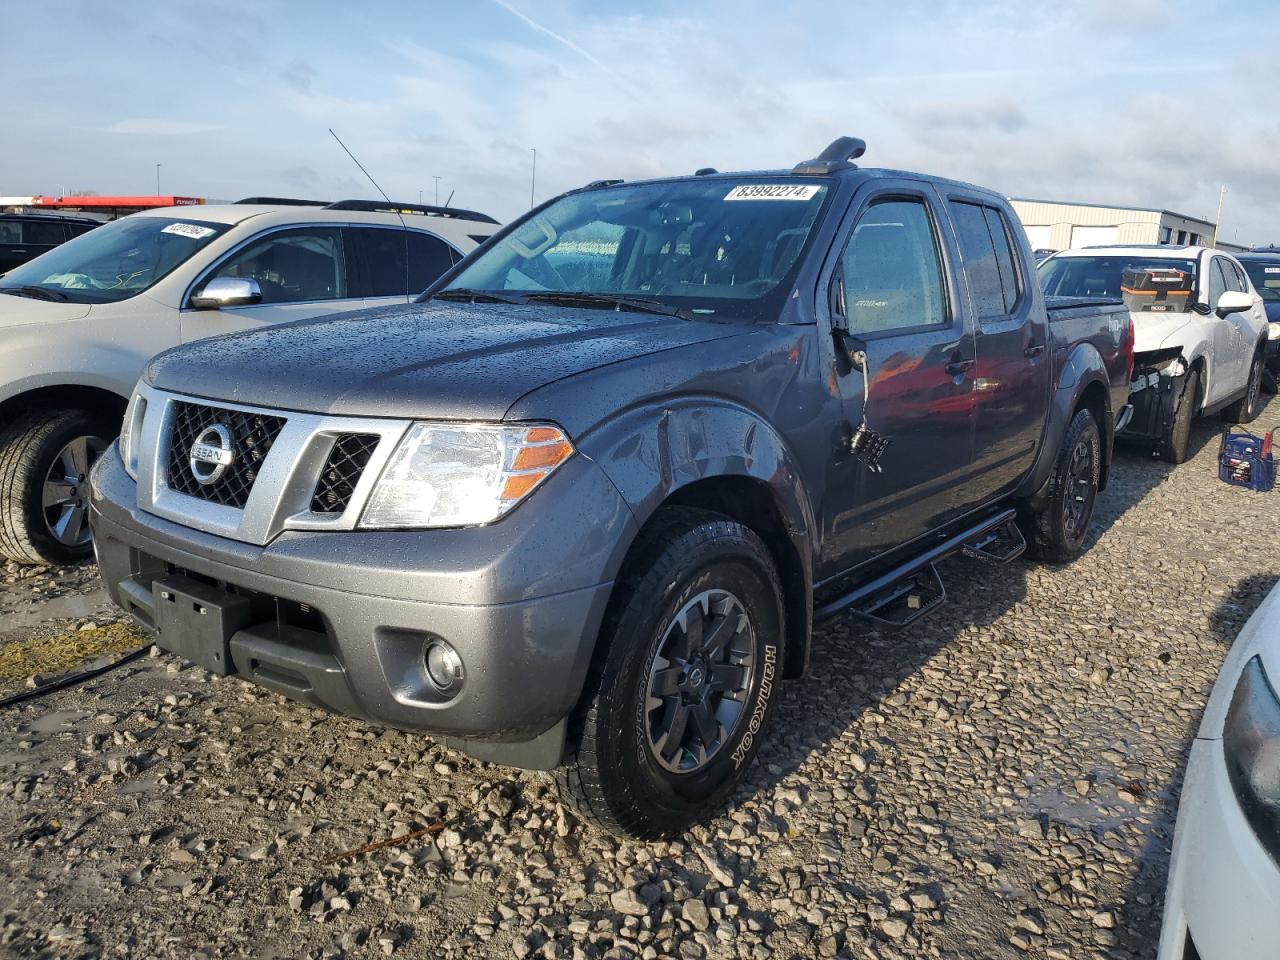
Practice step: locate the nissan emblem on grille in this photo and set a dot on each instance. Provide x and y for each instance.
(211, 454)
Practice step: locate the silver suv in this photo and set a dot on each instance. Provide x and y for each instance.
(81, 321)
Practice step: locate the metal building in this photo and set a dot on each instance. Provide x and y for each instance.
(1051, 225)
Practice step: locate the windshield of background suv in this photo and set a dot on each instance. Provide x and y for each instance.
(713, 246)
(117, 260)
(1265, 275)
(1100, 276)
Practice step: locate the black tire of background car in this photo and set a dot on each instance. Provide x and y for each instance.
(1245, 410)
(28, 447)
(610, 776)
(1046, 532)
(1176, 445)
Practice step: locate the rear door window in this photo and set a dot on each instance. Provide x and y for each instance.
(981, 265)
(1010, 280)
(10, 231)
(381, 255)
(1235, 279)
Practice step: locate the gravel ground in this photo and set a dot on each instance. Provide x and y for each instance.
(998, 781)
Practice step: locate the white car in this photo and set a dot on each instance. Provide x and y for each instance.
(78, 323)
(1200, 332)
(1223, 897)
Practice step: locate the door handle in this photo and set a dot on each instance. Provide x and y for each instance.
(956, 366)
(1034, 350)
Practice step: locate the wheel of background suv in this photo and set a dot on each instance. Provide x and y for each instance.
(1176, 446)
(1246, 408)
(1057, 533)
(686, 681)
(44, 498)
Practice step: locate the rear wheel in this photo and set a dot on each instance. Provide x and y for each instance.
(1245, 410)
(45, 460)
(1175, 446)
(677, 702)
(1057, 533)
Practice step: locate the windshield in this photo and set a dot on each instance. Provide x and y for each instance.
(714, 247)
(1102, 276)
(1265, 275)
(116, 261)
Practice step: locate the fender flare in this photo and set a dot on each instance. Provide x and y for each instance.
(653, 451)
(1084, 367)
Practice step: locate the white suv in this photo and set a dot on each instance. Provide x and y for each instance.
(81, 321)
(1200, 333)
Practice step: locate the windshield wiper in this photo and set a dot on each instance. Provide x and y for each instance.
(474, 296)
(36, 293)
(581, 298)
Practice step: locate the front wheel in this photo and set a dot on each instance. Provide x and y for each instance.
(680, 696)
(1175, 446)
(45, 460)
(1056, 534)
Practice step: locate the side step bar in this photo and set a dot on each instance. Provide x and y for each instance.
(901, 596)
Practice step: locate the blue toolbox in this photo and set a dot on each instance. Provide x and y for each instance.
(1245, 460)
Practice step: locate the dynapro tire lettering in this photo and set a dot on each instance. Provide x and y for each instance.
(762, 704)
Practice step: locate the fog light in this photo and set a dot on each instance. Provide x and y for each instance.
(444, 666)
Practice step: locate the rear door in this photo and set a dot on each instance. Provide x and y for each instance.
(302, 272)
(901, 301)
(1011, 379)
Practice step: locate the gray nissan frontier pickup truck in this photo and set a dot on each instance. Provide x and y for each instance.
(579, 508)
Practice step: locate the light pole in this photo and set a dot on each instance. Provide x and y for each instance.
(1217, 220)
(437, 180)
(533, 176)
(157, 179)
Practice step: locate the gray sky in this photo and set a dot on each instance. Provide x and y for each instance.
(1146, 102)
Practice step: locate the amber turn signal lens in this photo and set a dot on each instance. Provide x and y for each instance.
(543, 456)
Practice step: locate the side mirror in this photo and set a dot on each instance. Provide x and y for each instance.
(223, 292)
(850, 348)
(1233, 301)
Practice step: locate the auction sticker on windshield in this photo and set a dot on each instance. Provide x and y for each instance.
(192, 230)
(773, 191)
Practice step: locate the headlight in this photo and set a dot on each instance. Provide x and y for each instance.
(1251, 744)
(458, 475)
(129, 430)
(1273, 331)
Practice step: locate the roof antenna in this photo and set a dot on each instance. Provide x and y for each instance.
(399, 215)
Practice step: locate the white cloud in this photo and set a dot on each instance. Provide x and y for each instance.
(155, 127)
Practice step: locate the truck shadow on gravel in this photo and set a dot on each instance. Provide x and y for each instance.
(1138, 919)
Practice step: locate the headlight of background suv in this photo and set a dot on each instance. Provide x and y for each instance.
(1251, 744)
(463, 474)
(129, 430)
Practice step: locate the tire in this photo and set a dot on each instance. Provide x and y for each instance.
(1245, 410)
(30, 531)
(1175, 446)
(1057, 533)
(621, 772)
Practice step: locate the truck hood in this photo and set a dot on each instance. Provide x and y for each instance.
(429, 360)
(15, 311)
(1151, 331)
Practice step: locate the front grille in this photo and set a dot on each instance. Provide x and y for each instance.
(341, 473)
(252, 435)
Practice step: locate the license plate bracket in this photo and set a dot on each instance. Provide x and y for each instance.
(196, 621)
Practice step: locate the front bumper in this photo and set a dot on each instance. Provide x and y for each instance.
(341, 619)
(1224, 889)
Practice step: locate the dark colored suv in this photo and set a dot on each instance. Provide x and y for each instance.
(24, 236)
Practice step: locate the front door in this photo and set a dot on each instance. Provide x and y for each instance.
(1011, 379)
(301, 271)
(900, 300)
